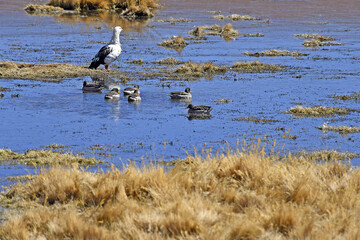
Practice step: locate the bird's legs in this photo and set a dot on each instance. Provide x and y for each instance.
(107, 67)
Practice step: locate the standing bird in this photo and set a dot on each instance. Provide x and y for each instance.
(181, 95)
(109, 52)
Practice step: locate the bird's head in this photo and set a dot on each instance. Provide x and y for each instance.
(118, 29)
(187, 90)
(190, 106)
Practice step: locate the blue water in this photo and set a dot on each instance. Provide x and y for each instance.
(158, 128)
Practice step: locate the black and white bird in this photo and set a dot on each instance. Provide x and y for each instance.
(109, 52)
(135, 97)
(114, 94)
(131, 90)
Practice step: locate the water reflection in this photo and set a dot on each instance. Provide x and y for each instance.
(104, 19)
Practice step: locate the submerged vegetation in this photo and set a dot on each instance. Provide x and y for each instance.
(318, 111)
(132, 9)
(45, 72)
(244, 194)
(254, 119)
(275, 53)
(44, 158)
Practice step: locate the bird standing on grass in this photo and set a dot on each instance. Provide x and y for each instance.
(109, 52)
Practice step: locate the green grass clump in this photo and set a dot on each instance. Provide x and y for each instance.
(317, 111)
(275, 53)
(242, 194)
(44, 158)
(256, 66)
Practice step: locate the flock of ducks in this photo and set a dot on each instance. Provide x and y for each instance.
(109, 53)
(133, 95)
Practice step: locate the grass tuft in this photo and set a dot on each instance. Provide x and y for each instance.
(339, 129)
(227, 32)
(44, 158)
(168, 61)
(318, 40)
(275, 53)
(318, 111)
(174, 42)
(237, 17)
(256, 66)
(200, 69)
(354, 96)
(44, 72)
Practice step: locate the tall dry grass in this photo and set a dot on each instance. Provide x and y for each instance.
(244, 194)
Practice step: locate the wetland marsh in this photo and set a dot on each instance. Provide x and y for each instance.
(283, 71)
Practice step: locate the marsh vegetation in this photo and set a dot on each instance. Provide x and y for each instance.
(255, 194)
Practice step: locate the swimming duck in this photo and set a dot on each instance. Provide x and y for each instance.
(199, 109)
(113, 94)
(108, 53)
(135, 97)
(181, 95)
(131, 90)
(91, 87)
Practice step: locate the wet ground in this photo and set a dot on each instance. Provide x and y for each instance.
(157, 128)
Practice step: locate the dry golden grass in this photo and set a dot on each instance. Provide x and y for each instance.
(43, 9)
(244, 194)
(318, 111)
(275, 53)
(254, 119)
(45, 72)
(316, 36)
(44, 158)
(237, 17)
(199, 69)
(169, 61)
(256, 66)
(327, 155)
(339, 129)
(175, 42)
(227, 32)
(127, 8)
(314, 43)
(354, 96)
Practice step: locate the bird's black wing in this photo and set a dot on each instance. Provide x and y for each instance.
(102, 54)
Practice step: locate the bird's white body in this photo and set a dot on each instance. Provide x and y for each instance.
(108, 53)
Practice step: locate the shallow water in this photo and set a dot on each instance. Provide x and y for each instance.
(59, 113)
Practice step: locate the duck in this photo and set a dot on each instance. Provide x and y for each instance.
(113, 94)
(181, 95)
(91, 87)
(200, 109)
(105, 81)
(135, 97)
(131, 90)
(108, 53)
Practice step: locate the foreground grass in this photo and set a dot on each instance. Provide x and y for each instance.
(239, 195)
(45, 72)
(44, 158)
